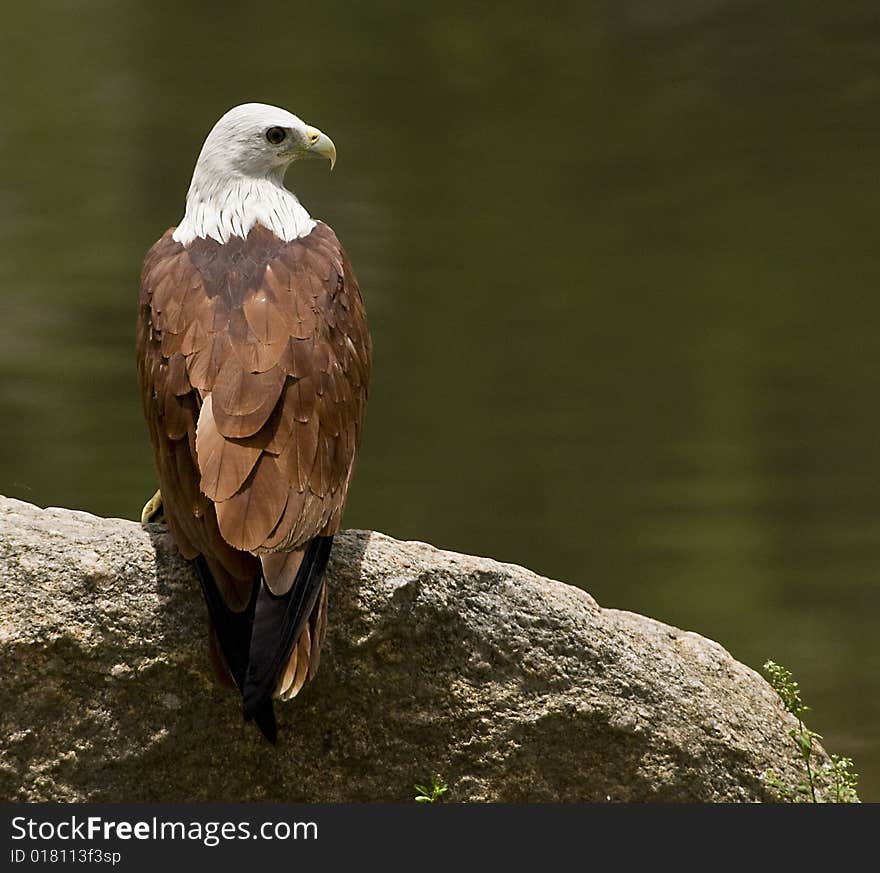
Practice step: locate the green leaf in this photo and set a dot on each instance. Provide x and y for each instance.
(835, 780)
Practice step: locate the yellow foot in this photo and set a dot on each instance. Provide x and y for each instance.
(153, 511)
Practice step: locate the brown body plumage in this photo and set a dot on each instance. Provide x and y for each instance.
(254, 362)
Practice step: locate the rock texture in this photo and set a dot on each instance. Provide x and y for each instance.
(513, 687)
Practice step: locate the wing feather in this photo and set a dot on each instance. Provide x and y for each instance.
(254, 362)
(247, 518)
(265, 320)
(224, 463)
(238, 392)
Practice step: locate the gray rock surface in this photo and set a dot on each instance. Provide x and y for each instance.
(513, 687)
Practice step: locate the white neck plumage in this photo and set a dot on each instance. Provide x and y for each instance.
(230, 205)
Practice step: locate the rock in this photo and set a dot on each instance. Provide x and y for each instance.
(510, 686)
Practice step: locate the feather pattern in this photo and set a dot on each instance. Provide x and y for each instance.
(254, 359)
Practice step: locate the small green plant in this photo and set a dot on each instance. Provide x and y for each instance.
(433, 793)
(834, 781)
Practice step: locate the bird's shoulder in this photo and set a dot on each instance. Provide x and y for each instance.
(237, 268)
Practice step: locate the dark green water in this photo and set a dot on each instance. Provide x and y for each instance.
(621, 265)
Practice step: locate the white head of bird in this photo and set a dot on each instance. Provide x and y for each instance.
(238, 180)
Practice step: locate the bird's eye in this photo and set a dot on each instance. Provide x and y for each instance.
(276, 135)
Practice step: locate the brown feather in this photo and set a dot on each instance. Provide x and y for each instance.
(297, 458)
(297, 670)
(265, 320)
(177, 413)
(280, 569)
(239, 392)
(319, 629)
(240, 426)
(247, 519)
(288, 675)
(253, 361)
(224, 464)
(178, 383)
(304, 646)
(293, 510)
(194, 337)
(296, 359)
(277, 429)
(205, 362)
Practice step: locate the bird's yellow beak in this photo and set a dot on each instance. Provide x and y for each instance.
(321, 146)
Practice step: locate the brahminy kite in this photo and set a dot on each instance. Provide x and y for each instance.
(254, 361)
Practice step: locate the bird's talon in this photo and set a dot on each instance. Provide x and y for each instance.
(153, 511)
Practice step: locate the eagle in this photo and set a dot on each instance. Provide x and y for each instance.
(253, 361)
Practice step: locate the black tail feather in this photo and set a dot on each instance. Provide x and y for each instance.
(257, 641)
(278, 621)
(264, 716)
(233, 628)
(233, 631)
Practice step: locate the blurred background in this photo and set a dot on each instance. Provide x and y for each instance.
(621, 265)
